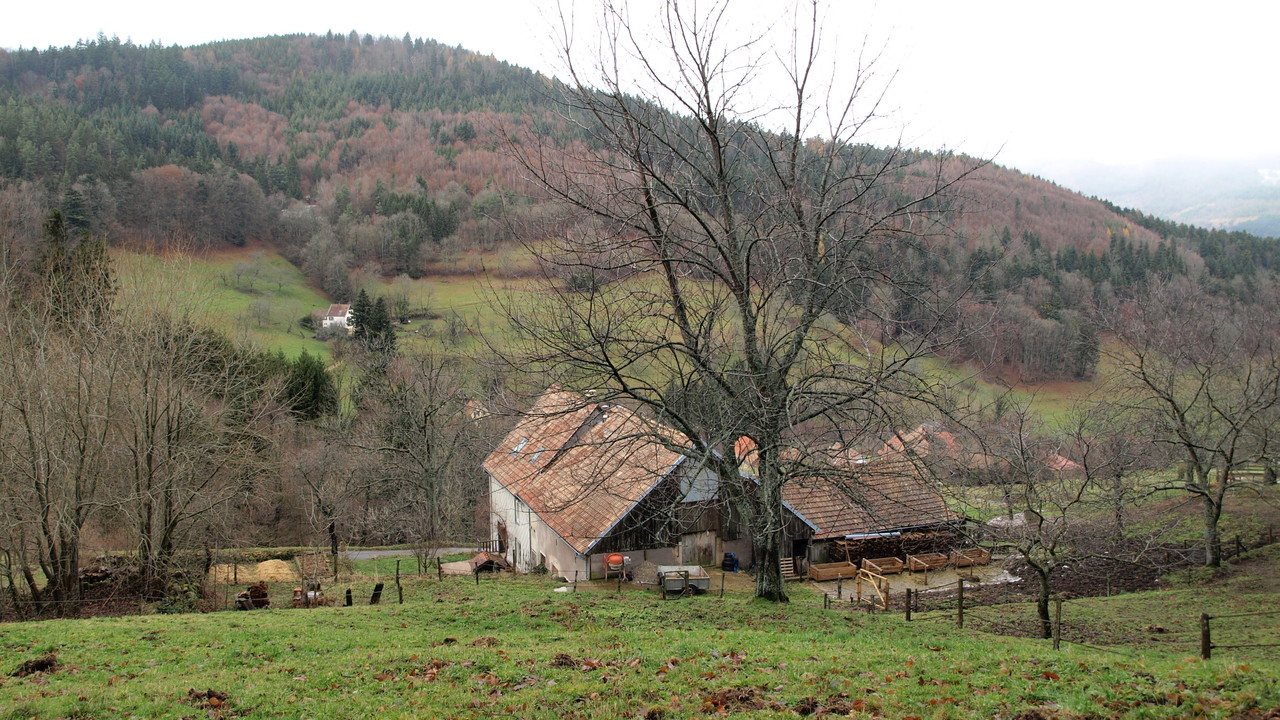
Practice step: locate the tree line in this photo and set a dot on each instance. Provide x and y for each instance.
(142, 430)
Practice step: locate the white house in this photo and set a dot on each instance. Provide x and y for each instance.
(337, 317)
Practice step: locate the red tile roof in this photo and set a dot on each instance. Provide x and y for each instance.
(877, 496)
(580, 465)
(1057, 463)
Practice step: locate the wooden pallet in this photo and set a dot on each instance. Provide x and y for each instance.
(823, 572)
(882, 566)
(927, 561)
(788, 566)
(970, 556)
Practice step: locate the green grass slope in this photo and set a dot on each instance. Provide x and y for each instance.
(513, 647)
(253, 295)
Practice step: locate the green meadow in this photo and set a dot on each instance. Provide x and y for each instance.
(518, 647)
(254, 296)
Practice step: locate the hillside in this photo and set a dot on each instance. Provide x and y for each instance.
(381, 156)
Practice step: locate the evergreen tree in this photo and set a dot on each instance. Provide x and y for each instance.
(381, 335)
(359, 316)
(310, 388)
(77, 282)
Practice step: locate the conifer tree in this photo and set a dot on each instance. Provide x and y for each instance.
(359, 316)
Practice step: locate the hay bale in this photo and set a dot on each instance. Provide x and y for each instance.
(269, 571)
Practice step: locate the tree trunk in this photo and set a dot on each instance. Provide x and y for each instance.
(1042, 603)
(1212, 538)
(768, 541)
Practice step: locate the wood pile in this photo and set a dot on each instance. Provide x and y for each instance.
(255, 597)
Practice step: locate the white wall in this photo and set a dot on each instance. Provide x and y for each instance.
(530, 542)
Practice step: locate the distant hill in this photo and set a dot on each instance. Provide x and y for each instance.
(352, 153)
(1241, 194)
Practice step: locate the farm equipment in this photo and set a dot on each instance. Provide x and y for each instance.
(676, 580)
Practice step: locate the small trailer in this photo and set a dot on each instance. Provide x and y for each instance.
(679, 579)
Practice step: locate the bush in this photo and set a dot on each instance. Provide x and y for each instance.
(182, 598)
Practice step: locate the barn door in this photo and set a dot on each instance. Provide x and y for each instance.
(698, 548)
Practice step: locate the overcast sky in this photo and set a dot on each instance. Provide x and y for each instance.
(1032, 83)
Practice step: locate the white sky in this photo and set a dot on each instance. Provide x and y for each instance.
(1032, 83)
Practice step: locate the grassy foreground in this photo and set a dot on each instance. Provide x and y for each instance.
(513, 647)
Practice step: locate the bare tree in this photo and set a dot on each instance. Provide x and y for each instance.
(746, 268)
(325, 468)
(193, 429)
(429, 446)
(59, 376)
(1202, 377)
(1054, 505)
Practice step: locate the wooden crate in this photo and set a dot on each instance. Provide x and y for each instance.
(970, 556)
(882, 566)
(822, 572)
(926, 561)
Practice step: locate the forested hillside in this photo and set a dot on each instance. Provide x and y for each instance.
(388, 155)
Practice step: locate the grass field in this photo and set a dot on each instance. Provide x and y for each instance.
(515, 647)
(254, 296)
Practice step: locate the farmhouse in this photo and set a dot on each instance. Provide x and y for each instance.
(337, 318)
(577, 480)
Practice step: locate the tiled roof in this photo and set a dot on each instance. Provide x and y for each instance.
(581, 466)
(878, 496)
(925, 442)
(337, 310)
(1057, 463)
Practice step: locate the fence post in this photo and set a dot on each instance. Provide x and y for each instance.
(1206, 645)
(908, 604)
(722, 584)
(439, 569)
(839, 587)
(575, 581)
(960, 603)
(1057, 623)
(826, 601)
(1239, 547)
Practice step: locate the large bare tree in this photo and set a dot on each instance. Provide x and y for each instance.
(1202, 378)
(741, 262)
(193, 430)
